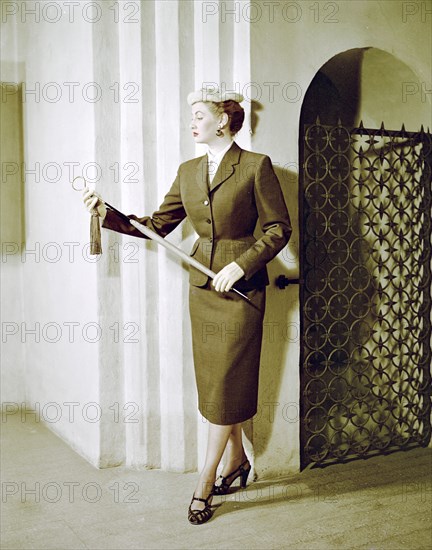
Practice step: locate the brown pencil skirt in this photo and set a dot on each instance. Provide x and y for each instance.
(226, 338)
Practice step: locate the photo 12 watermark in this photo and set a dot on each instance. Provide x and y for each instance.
(266, 92)
(69, 491)
(417, 491)
(415, 91)
(416, 12)
(53, 12)
(52, 332)
(268, 412)
(52, 412)
(71, 92)
(56, 172)
(270, 12)
(273, 332)
(53, 252)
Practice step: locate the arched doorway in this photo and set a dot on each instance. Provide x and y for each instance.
(365, 241)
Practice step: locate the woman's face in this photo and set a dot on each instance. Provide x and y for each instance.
(204, 123)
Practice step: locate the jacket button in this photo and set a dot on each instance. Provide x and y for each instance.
(208, 220)
(206, 203)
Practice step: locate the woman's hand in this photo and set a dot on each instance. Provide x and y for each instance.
(94, 202)
(227, 276)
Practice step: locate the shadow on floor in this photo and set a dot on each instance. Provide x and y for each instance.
(52, 498)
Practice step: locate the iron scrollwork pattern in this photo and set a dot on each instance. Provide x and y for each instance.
(365, 204)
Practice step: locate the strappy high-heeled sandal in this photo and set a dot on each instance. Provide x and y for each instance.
(224, 486)
(197, 517)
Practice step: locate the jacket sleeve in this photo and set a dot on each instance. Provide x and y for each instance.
(273, 218)
(170, 213)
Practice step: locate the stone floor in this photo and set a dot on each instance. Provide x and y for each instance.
(52, 498)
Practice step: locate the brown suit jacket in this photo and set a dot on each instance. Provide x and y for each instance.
(244, 190)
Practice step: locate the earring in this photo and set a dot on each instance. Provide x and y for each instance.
(219, 132)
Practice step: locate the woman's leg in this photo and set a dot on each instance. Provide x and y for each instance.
(217, 440)
(235, 454)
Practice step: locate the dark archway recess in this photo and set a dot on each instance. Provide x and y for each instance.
(365, 202)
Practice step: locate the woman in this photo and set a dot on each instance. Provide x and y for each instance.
(223, 194)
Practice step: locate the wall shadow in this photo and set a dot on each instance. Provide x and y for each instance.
(281, 332)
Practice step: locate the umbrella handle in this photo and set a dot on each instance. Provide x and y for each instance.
(75, 185)
(154, 236)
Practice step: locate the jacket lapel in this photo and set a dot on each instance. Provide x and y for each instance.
(226, 167)
(202, 175)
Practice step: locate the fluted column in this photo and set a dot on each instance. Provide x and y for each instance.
(137, 179)
(177, 399)
(107, 151)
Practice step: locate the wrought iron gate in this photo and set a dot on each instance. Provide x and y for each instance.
(365, 206)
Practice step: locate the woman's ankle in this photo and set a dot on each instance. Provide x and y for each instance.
(203, 489)
(238, 459)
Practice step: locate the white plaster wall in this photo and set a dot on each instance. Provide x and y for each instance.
(59, 284)
(393, 92)
(139, 278)
(12, 352)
